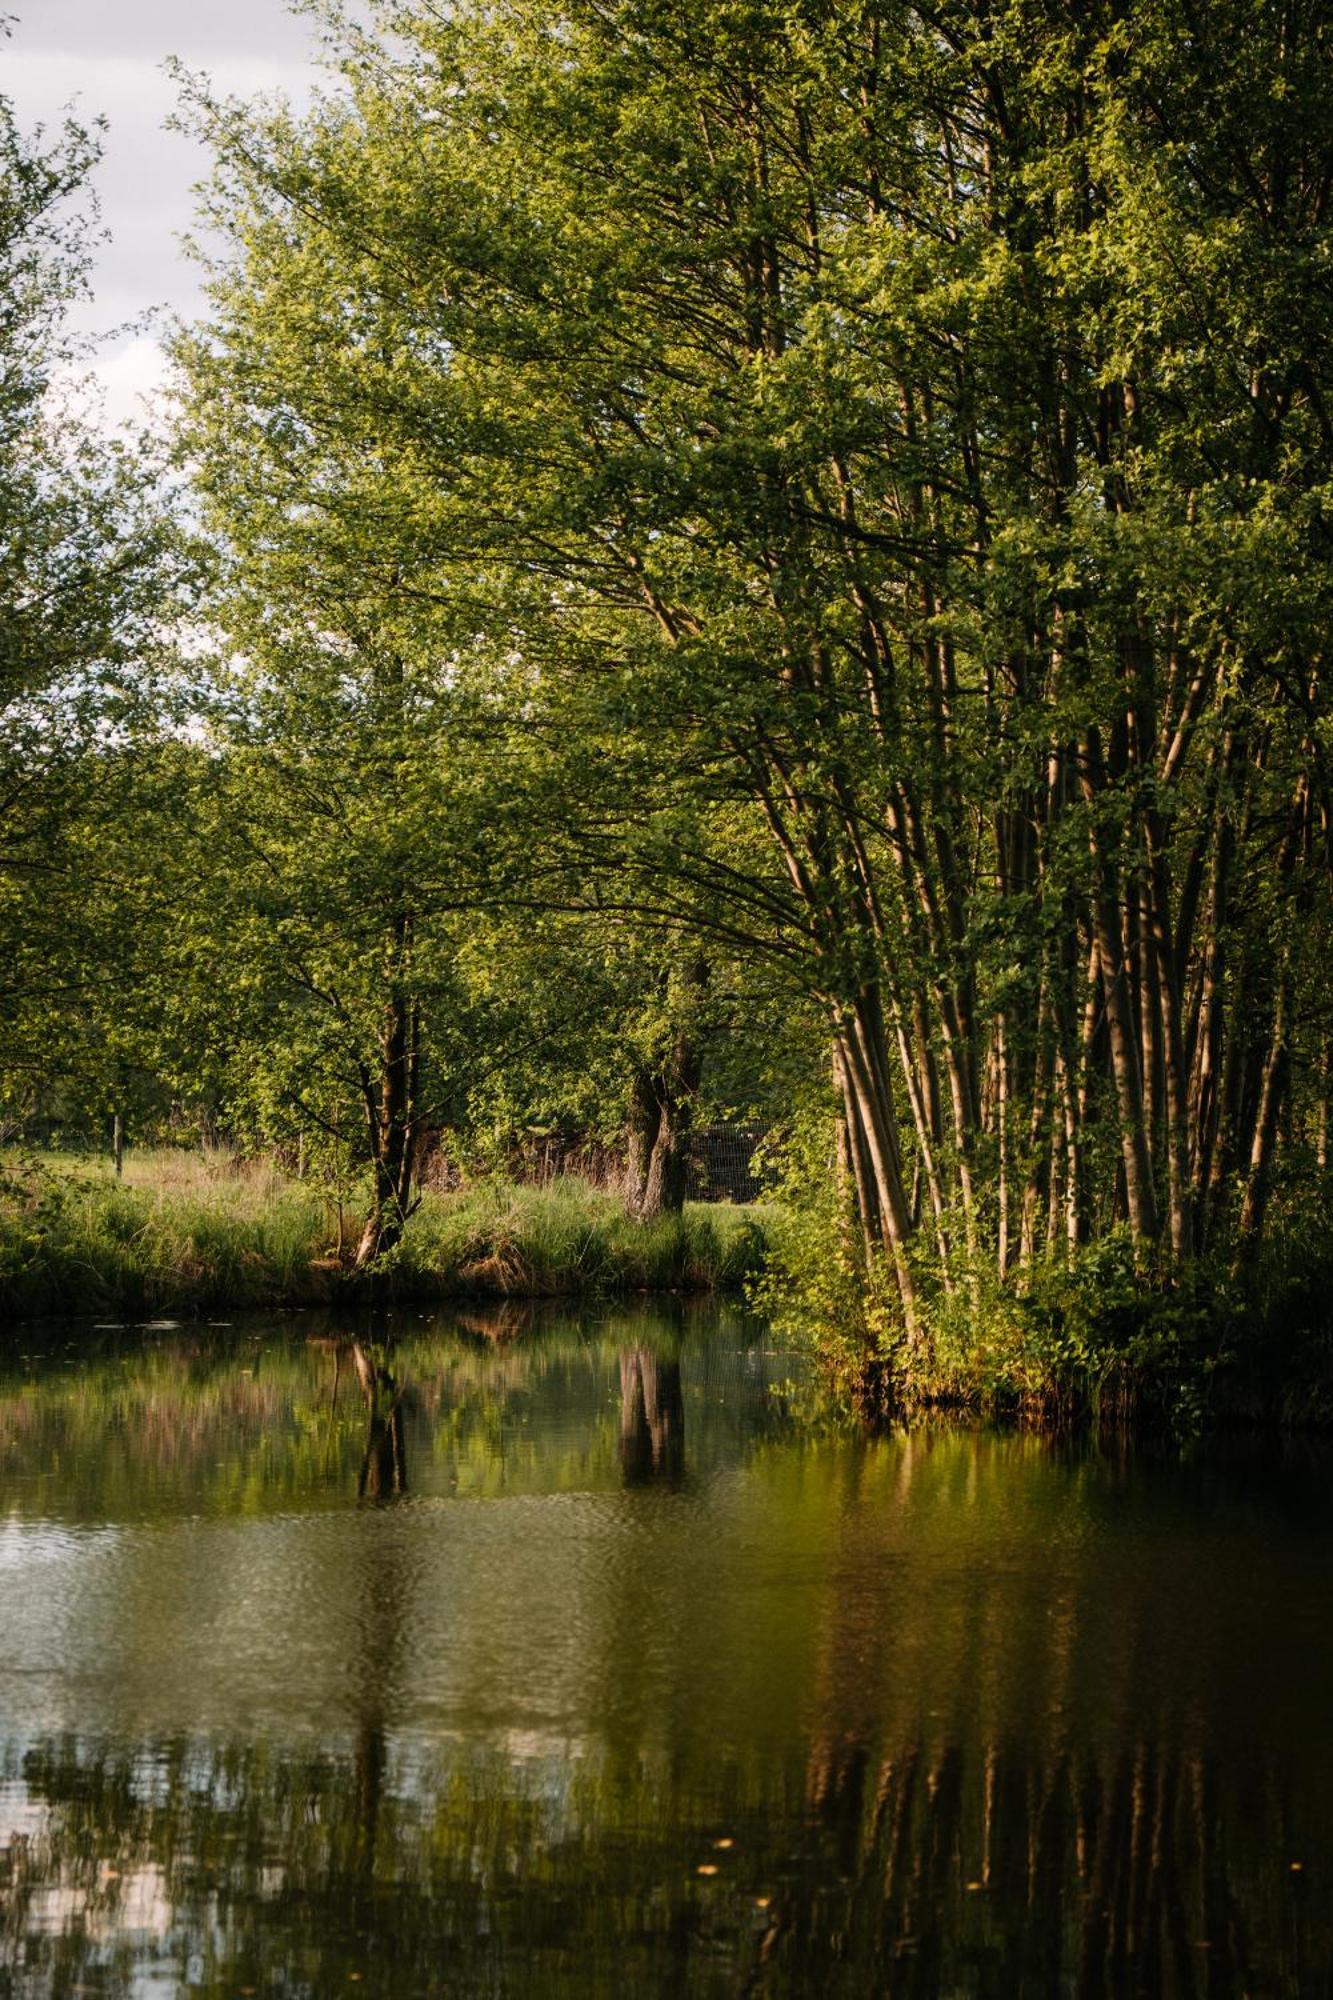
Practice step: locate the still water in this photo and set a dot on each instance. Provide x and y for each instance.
(575, 1658)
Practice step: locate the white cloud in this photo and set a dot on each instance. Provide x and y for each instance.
(105, 61)
(216, 28)
(130, 380)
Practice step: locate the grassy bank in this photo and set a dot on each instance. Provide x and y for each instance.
(188, 1234)
(1095, 1340)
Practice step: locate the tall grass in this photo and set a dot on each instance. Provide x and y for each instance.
(568, 1237)
(192, 1233)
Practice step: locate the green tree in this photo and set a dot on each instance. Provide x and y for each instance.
(886, 452)
(86, 587)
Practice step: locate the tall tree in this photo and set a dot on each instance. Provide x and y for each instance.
(86, 588)
(892, 443)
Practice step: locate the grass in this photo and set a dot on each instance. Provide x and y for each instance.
(187, 1232)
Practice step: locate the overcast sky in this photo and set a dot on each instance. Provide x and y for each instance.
(106, 56)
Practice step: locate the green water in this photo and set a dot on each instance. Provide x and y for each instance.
(578, 1661)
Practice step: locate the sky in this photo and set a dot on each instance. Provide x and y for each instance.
(106, 56)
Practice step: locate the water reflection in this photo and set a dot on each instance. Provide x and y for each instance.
(916, 1871)
(652, 1418)
(384, 1467)
(937, 1716)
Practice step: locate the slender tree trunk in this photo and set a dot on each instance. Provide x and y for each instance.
(852, 1133)
(1168, 1039)
(392, 1106)
(917, 1069)
(871, 1119)
(1041, 1138)
(846, 1189)
(1139, 1196)
(1268, 1113)
(1002, 1091)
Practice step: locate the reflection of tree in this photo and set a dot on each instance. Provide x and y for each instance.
(384, 1606)
(216, 1423)
(1049, 1777)
(922, 1871)
(985, 1843)
(384, 1467)
(1000, 1872)
(652, 1418)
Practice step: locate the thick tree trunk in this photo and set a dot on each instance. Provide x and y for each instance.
(645, 1120)
(662, 1117)
(664, 1193)
(660, 1126)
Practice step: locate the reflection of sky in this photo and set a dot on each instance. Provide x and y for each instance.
(35, 1544)
(21, 1817)
(185, 1549)
(108, 60)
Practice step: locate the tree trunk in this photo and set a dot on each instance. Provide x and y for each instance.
(394, 1125)
(1164, 984)
(1002, 1120)
(645, 1119)
(1141, 1202)
(872, 1124)
(660, 1126)
(662, 1114)
(1271, 1093)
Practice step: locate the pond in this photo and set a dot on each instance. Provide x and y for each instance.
(575, 1657)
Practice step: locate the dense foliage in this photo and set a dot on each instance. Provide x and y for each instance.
(810, 522)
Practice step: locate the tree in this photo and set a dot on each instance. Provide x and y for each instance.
(86, 585)
(892, 446)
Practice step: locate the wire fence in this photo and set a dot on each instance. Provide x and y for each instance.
(720, 1163)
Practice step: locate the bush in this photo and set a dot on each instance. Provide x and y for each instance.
(1092, 1336)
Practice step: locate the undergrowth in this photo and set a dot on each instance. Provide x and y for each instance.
(1088, 1337)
